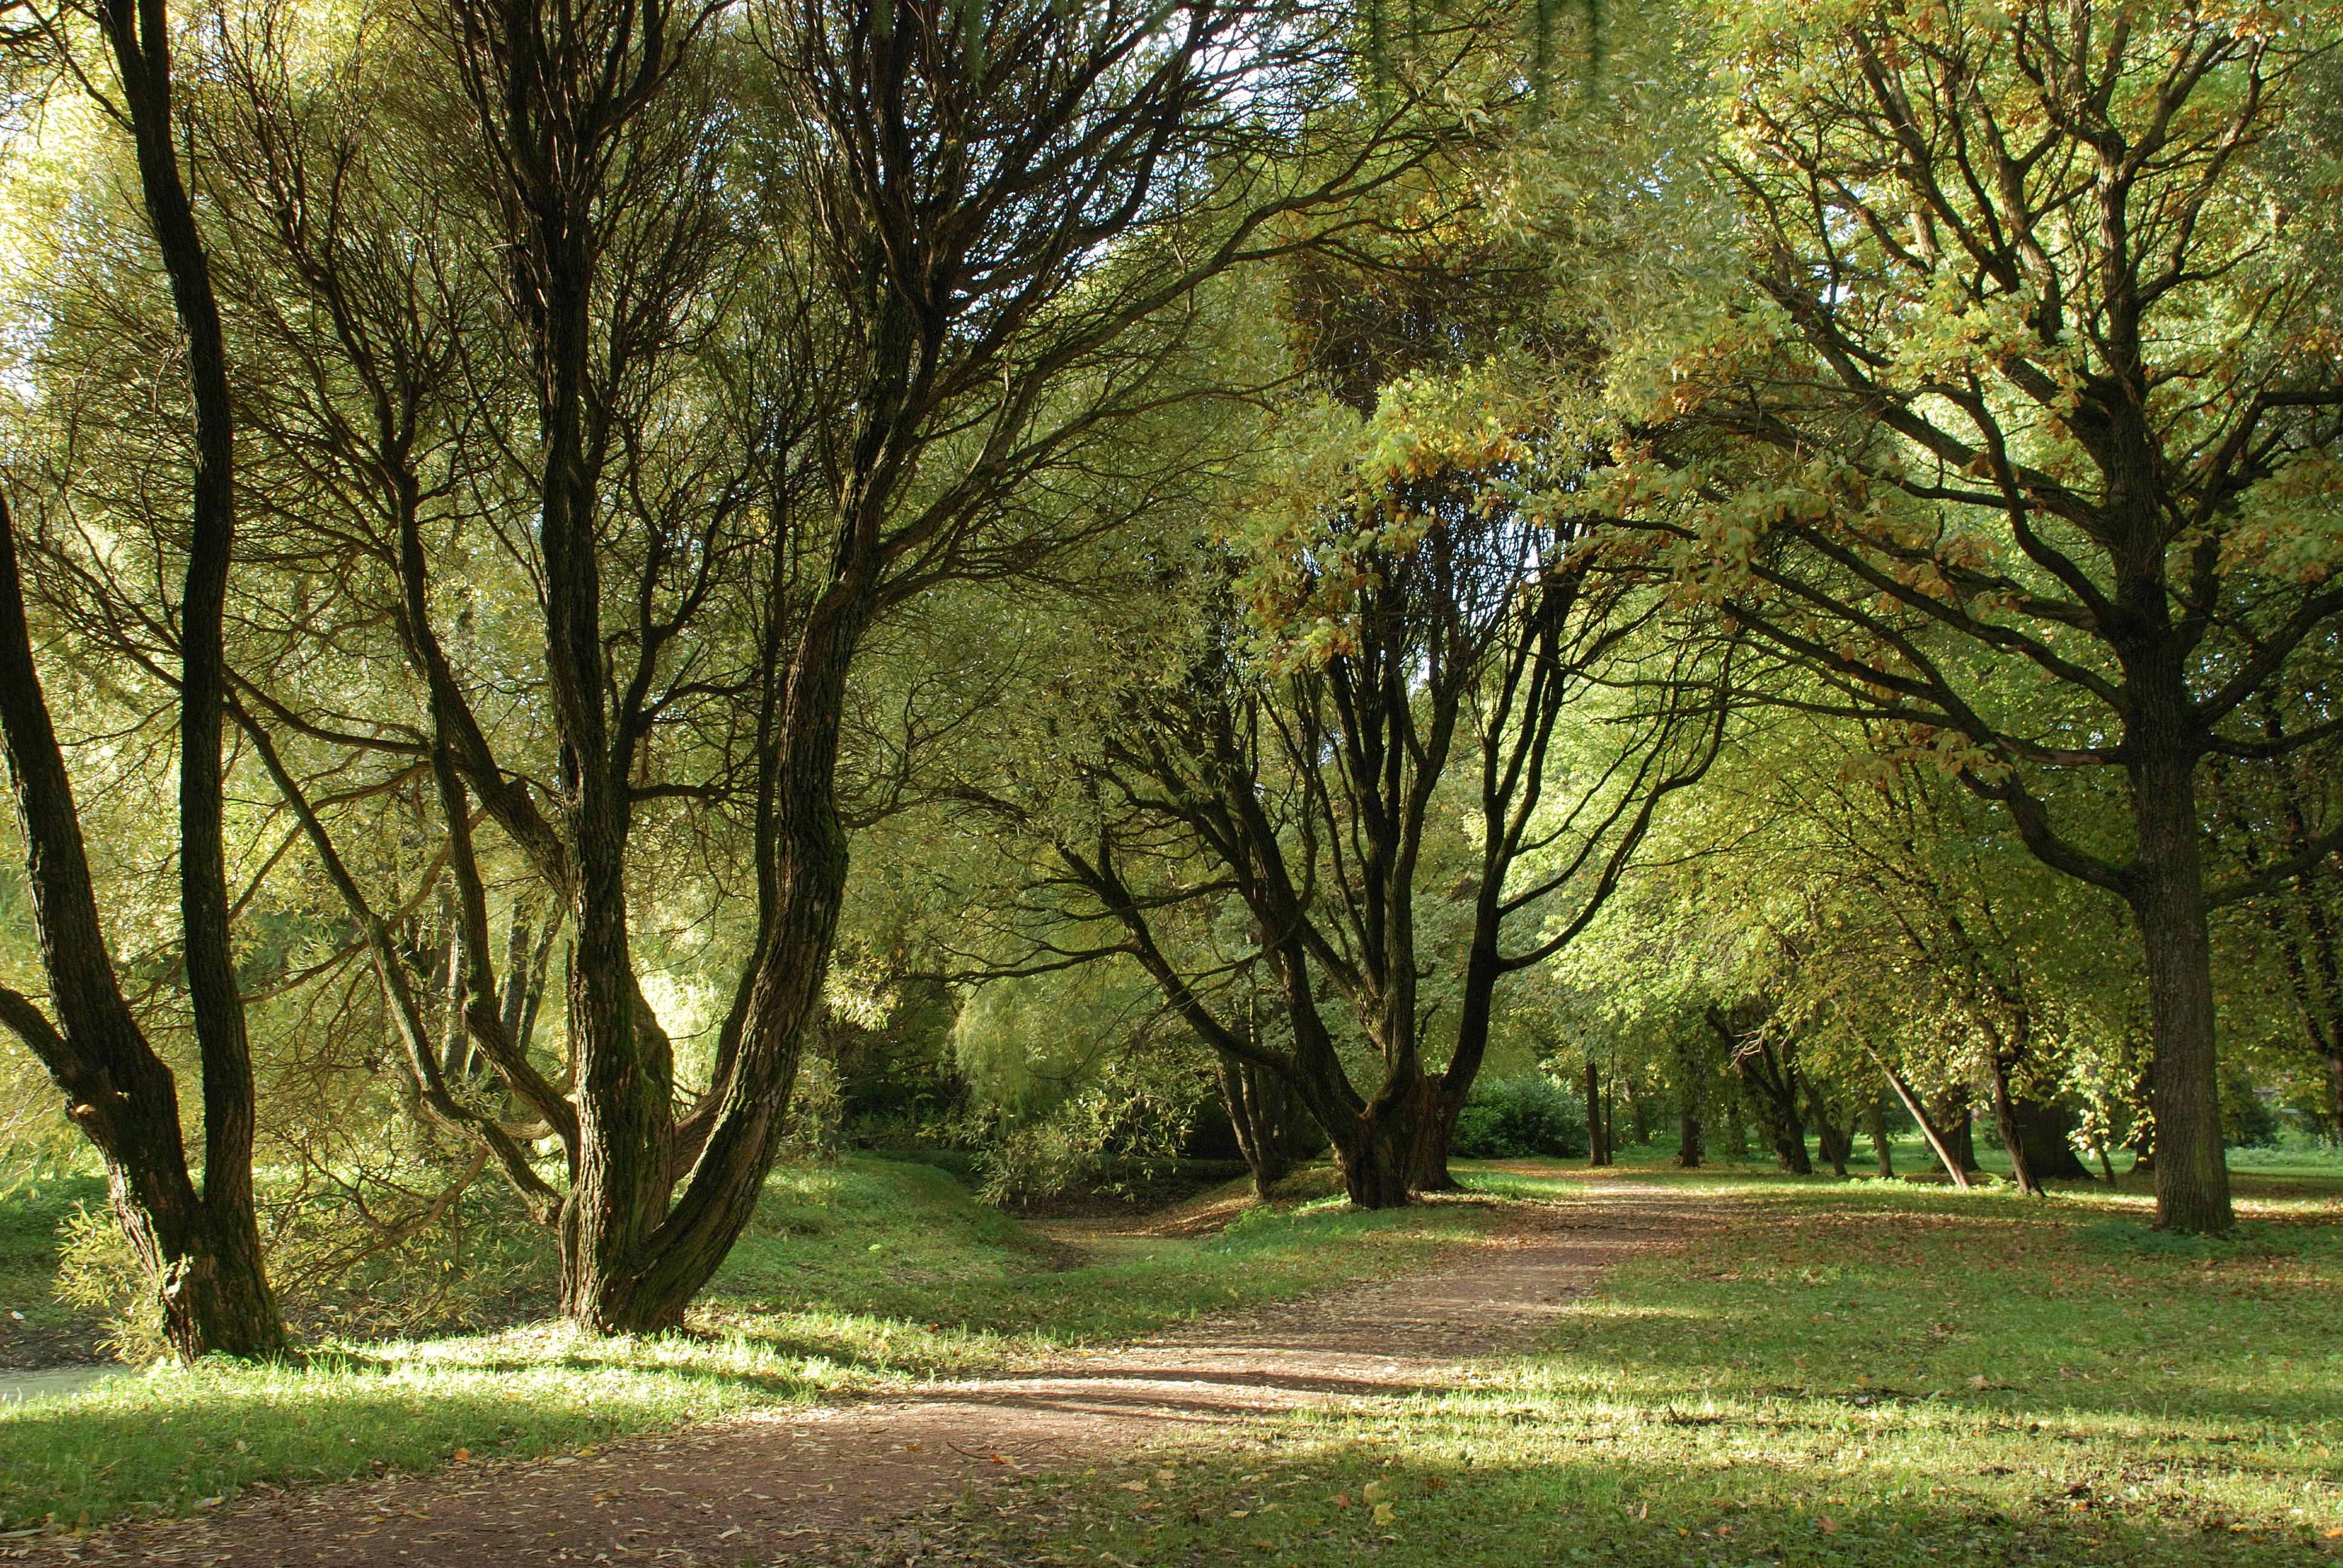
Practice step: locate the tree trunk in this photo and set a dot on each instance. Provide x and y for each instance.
(2047, 1129)
(1938, 1139)
(1639, 1127)
(1952, 1118)
(1789, 1127)
(1598, 1148)
(1835, 1144)
(1876, 1116)
(201, 1255)
(2192, 1178)
(1259, 1105)
(1688, 1136)
(1439, 1105)
(1736, 1132)
(2335, 1089)
(2004, 1118)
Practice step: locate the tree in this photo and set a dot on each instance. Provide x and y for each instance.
(783, 326)
(2034, 383)
(202, 1251)
(1414, 647)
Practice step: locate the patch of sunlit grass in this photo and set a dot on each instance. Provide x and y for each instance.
(1844, 1374)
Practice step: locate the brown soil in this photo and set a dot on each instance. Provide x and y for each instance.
(781, 1482)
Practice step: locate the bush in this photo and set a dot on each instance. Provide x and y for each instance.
(1514, 1118)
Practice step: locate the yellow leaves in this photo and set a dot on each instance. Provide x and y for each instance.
(1383, 1513)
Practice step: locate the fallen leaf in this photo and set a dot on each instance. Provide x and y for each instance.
(1830, 1526)
(1382, 1513)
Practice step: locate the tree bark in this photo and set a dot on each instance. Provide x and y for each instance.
(1736, 1134)
(1769, 1079)
(2004, 1118)
(1258, 1104)
(1598, 1151)
(2192, 1178)
(201, 1254)
(209, 1258)
(1876, 1115)
(2047, 1129)
(1953, 1115)
(1688, 1137)
(1834, 1142)
(1938, 1138)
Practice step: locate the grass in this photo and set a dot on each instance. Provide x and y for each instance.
(1849, 1374)
(851, 1277)
(35, 1326)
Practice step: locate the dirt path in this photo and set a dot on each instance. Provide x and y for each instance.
(764, 1485)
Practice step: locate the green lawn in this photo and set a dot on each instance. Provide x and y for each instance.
(1859, 1373)
(854, 1275)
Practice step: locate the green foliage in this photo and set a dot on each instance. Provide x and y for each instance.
(1513, 1118)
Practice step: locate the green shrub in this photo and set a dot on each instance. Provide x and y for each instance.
(1515, 1118)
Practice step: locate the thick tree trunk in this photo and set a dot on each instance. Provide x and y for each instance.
(2047, 1129)
(1876, 1116)
(2335, 1087)
(1439, 1106)
(1688, 1137)
(1772, 1085)
(2192, 1178)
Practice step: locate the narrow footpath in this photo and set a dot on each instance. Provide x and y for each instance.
(763, 1486)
